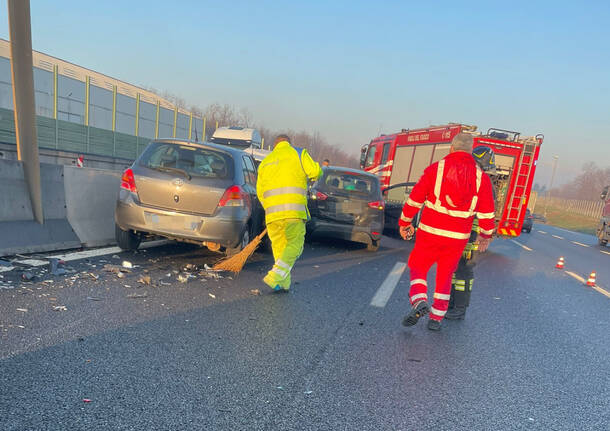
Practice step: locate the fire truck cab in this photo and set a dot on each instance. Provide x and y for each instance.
(399, 160)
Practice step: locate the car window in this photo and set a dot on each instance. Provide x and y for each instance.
(195, 161)
(349, 182)
(251, 169)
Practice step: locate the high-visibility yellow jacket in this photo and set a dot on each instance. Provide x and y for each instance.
(282, 182)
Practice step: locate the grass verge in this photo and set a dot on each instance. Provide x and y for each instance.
(556, 216)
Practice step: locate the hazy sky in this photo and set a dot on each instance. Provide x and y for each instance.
(350, 69)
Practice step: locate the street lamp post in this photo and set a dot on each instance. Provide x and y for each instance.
(548, 193)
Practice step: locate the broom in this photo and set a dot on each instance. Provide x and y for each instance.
(236, 263)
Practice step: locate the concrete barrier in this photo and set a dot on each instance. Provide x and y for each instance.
(90, 200)
(19, 233)
(78, 207)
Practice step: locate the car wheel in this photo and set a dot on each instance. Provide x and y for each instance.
(245, 240)
(373, 245)
(126, 239)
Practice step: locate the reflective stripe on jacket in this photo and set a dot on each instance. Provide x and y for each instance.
(452, 191)
(282, 182)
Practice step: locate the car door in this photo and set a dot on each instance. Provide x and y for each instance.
(251, 175)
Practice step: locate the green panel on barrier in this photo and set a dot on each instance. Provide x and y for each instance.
(142, 144)
(126, 146)
(72, 137)
(7, 126)
(101, 141)
(45, 129)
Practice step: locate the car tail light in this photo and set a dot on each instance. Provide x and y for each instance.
(320, 196)
(235, 196)
(377, 205)
(128, 181)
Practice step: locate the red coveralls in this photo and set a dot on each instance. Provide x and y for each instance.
(453, 190)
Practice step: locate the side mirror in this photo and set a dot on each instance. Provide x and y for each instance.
(362, 157)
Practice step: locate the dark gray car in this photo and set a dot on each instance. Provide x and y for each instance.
(346, 203)
(198, 193)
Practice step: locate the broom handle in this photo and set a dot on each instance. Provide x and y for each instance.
(261, 235)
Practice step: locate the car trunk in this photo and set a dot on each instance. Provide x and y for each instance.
(349, 207)
(174, 192)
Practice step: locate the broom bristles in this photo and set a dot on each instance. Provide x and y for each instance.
(236, 263)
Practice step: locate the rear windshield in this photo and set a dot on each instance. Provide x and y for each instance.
(352, 183)
(201, 162)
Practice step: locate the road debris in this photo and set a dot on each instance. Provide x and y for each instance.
(120, 274)
(255, 292)
(137, 295)
(55, 268)
(212, 295)
(94, 276)
(127, 264)
(60, 308)
(308, 392)
(93, 298)
(86, 400)
(27, 276)
(144, 279)
(163, 283)
(183, 278)
(4, 262)
(23, 310)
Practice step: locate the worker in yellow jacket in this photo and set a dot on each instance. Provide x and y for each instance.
(282, 189)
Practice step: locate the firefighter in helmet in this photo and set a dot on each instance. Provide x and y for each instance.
(463, 278)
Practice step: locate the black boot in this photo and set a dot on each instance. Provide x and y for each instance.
(419, 310)
(434, 325)
(456, 313)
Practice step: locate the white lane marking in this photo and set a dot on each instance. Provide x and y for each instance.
(557, 236)
(605, 252)
(525, 247)
(389, 284)
(542, 232)
(87, 254)
(576, 276)
(580, 244)
(583, 281)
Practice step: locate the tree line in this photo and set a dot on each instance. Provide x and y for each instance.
(586, 186)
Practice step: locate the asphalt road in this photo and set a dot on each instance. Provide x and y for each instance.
(208, 353)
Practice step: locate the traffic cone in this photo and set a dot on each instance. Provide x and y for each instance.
(591, 280)
(560, 263)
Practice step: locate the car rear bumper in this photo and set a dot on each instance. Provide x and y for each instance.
(363, 234)
(225, 227)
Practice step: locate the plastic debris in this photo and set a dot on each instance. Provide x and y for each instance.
(27, 276)
(60, 308)
(120, 274)
(183, 278)
(137, 295)
(4, 262)
(127, 264)
(144, 279)
(86, 400)
(212, 295)
(55, 268)
(23, 310)
(94, 276)
(255, 292)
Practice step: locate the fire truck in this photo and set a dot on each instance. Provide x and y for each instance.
(399, 160)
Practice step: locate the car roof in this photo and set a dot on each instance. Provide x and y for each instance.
(225, 148)
(348, 170)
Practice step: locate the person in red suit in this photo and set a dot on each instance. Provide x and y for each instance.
(451, 191)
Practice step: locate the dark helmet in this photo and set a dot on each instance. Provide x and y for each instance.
(486, 159)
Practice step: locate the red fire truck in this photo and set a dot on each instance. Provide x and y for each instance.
(399, 160)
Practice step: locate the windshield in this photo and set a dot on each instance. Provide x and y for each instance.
(187, 160)
(340, 181)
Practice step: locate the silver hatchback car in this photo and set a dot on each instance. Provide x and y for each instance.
(191, 192)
